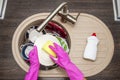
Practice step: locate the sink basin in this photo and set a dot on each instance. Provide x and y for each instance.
(77, 35)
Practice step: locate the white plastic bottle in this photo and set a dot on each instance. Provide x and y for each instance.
(91, 47)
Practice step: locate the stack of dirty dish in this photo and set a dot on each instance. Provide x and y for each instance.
(52, 32)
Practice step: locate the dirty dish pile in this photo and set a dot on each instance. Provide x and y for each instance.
(52, 32)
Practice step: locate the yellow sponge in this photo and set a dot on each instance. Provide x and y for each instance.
(47, 49)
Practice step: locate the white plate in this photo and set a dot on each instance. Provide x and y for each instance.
(44, 58)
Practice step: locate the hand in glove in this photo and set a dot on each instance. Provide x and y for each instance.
(32, 74)
(64, 61)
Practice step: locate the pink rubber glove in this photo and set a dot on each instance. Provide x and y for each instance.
(64, 61)
(32, 74)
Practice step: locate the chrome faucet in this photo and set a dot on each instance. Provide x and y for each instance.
(64, 16)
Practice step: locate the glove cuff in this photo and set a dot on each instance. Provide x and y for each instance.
(73, 72)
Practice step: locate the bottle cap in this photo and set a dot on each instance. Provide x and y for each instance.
(94, 34)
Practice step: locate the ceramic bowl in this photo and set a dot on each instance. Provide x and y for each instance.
(25, 50)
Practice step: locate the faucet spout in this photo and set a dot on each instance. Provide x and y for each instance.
(42, 26)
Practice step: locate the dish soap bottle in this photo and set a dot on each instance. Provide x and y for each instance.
(91, 47)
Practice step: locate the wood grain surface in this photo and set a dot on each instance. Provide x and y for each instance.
(18, 10)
